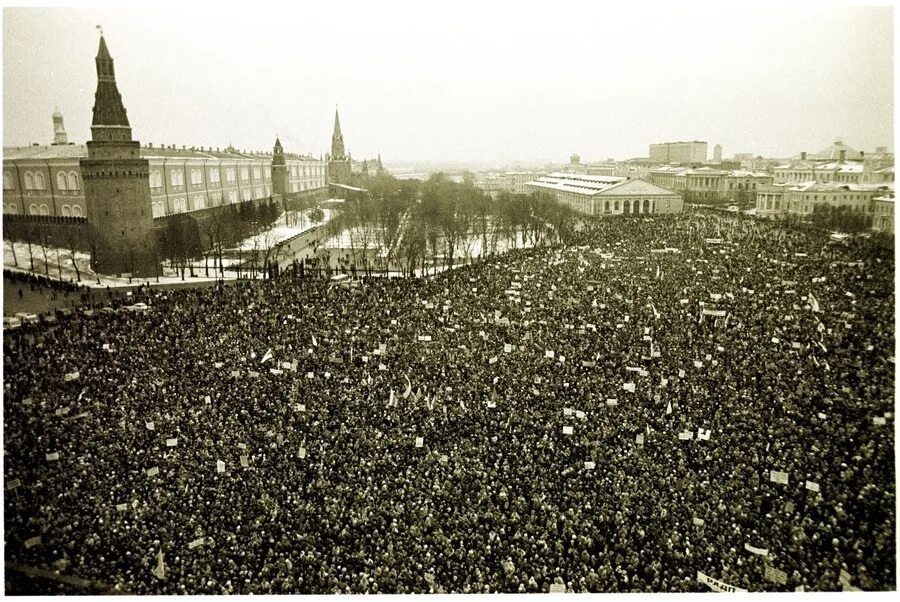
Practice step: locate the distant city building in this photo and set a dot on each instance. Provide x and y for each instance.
(837, 163)
(717, 153)
(679, 152)
(742, 156)
(608, 195)
(510, 181)
(706, 184)
(778, 200)
(883, 214)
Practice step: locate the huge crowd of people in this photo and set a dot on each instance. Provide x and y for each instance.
(664, 398)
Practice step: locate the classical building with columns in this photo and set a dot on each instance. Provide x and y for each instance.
(608, 195)
(779, 200)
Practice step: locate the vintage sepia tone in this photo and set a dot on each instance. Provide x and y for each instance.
(487, 299)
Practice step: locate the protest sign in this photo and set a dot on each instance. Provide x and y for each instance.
(302, 453)
(775, 575)
(639, 439)
(53, 456)
(567, 430)
(220, 466)
(589, 465)
(152, 472)
(420, 441)
(716, 585)
(245, 462)
(812, 486)
(172, 442)
(778, 477)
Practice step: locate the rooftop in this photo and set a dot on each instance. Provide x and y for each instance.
(78, 151)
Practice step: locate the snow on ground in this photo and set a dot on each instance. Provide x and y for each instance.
(288, 225)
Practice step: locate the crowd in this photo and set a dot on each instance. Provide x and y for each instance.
(610, 416)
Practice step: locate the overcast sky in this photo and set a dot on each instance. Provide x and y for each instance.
(468, 82)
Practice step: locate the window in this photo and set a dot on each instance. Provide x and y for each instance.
(76, 211)
(229, 174)
(245, 174)
(199, 202)
(268, 191)
(232, 196)
(180, 205)
(616, 205)
(61, 181)
(159, 208)
(214, 176)
(13, 208)
(7, 181)
(196, 177)
(32, 209)
(44, 210)
(29, 181)
(156, 179)
(39, 181)
(259, 193)
(73, 181)
(257, 173)
(66, 211)
(245, 194)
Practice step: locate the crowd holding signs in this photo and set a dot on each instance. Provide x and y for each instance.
(627, 420)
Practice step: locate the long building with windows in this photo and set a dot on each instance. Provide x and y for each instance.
(608, 195)
(46, 180)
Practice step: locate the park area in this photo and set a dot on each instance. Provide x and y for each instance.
(667, 404)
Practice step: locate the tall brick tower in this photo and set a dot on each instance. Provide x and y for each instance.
(281, 184)
(117, 184)
(338, 161)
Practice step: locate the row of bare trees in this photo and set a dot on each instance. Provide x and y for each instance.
(36, 239)
(408, 225)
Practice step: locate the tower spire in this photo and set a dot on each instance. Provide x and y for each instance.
(337, 139)
(109, 112)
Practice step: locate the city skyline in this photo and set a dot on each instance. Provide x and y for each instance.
(771, 88)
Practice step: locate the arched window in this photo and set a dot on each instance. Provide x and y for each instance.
(626, 206)
(257, 173)
(158, 208)
(39, 181)
(199, 202)
(73, 181)
(33, 209)
(173, 177)
(214, 176)
(76, 211)
(646, 205)
(7, 181)
(29, 181)
(66, 211)
(44, 210)
(232, 196)
(61, 181)
(229, 174)
(13, 208)
(606, 206)
(245, 174)
(259, 193)
(246, 194)
(616, 205)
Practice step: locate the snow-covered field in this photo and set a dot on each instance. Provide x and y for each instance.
(289, 225)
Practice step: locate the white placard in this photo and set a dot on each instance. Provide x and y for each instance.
(420, 441)
(567, 430)
(220, 466)
(172, 442)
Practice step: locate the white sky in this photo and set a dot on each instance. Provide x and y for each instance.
(465, 82)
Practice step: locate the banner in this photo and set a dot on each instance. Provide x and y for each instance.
(719, 313)
(812, 486)
(755, 550)
(716, 585)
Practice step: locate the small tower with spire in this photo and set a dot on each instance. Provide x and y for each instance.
(338, 161)
(117, 184)
(59, 130)
(281, 184)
